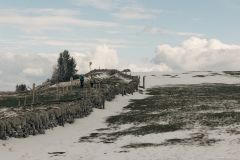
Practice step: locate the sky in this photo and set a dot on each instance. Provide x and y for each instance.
(156, 35)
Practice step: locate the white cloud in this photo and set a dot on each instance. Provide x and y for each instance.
(70, 44)
(37, 20)
(36, 68)
(131, 15)
(189, 34)
(113, 41)
(157, 30)
(147, 67)
(33, 71)
(104, 57)
(113, 32)
(199, 54)
(24, 68)
(1, 72)
(125, 9)
(131, 12)
(101, 56)
(50, 11)
(103, 4)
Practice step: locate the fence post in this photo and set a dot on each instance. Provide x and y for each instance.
(25, 101)
(57, 94)
(122, 90)
(33, 93)
(71, 80)
(103, 102)
(144, 82)
(139, 80)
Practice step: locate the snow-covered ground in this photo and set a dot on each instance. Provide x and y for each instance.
(185, 78)
(98, 77)
(65, 139)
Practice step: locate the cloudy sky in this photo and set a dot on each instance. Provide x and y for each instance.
(155, 35)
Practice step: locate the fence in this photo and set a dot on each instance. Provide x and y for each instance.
(36, 117)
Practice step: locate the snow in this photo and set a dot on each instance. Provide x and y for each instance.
(99, 76)
(159, 79)
(65, 139)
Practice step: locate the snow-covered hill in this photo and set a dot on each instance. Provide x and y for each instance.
(65, 139)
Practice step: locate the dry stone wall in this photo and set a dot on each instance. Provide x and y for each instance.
(35, 120)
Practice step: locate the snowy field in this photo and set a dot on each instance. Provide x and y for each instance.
(65, 140)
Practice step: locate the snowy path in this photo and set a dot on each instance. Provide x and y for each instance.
(65, 139)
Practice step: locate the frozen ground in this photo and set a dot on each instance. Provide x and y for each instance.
(65, 139)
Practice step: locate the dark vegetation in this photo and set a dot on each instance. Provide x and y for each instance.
(21, 87)
(232, 73)
(200, 141)
(178, 107)
(11, 99)
(65, 68)
(199, 76)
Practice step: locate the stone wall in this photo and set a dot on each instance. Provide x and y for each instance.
(35, 120)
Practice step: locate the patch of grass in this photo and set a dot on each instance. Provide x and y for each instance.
(135, 117)
(136, 131)
(103, 129)
(207, 107)
(176, 141)
(91, 137)
(148, 129)
(199, 76)
(177, 107)
(140, 145)
(199, 141)
(232, 73)
(215, 73)
(233, 131)
(219, 119)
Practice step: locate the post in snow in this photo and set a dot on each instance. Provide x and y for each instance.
(71, 80)
(25, 100)
(144, 82)
(33, 93)
(57, 91)
(139, 80)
